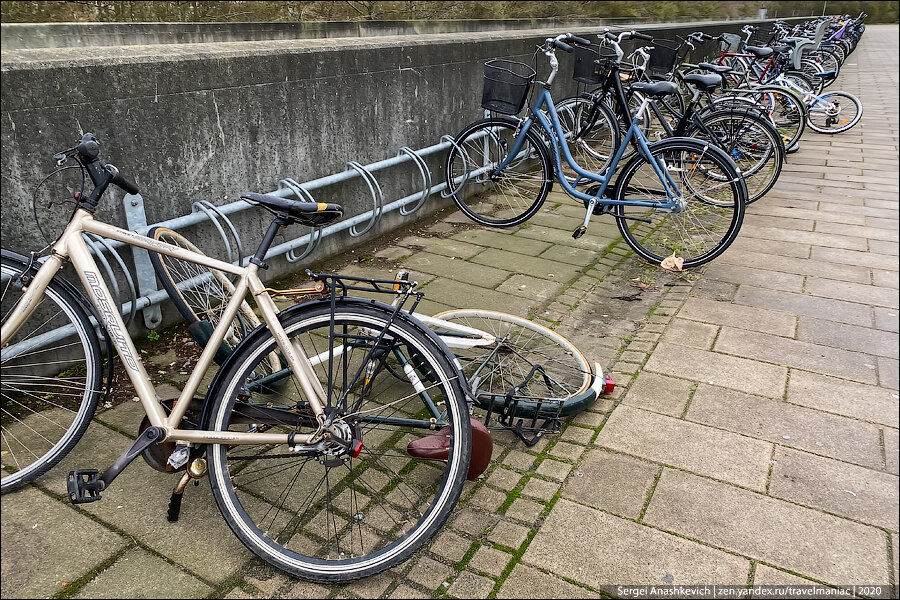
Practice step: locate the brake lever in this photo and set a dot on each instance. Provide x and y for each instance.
(62, 157)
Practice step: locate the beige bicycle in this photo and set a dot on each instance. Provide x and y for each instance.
(307, 430)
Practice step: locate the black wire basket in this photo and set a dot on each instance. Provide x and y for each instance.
(506, 85)
(731, 42)
(663, 57)
(594, 63)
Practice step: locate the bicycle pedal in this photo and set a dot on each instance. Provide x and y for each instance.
(84, 485)
(579, 232)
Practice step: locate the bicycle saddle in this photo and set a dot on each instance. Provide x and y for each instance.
(705, 82)
(657, 88)
(781, 49)
(715, 68)
(313, 214)
(759, 52)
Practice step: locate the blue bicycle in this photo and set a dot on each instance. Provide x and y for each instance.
(679, 200)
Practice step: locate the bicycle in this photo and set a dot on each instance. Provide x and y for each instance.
(748, 138)
(315, 477)
(500, 168)
(525, 376)
(830, 112)
(783, 107)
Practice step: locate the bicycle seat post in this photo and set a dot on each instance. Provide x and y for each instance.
(279, 222)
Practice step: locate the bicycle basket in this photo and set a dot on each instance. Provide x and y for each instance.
(506, 85)
(731, 42)
(663, 57)
(593, 63)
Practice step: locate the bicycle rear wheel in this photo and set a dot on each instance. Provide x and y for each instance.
(320, 512)
(834, 112)
(487, 194)
(591, 132)
(714, 195)
(52, 377)
(544, 365)
(750, 141)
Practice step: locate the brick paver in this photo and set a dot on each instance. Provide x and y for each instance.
(753, 436)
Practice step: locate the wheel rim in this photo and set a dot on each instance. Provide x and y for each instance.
(361, 513)
(206, 292)
(520, 346)
(833, 112)
(751, 146)
(597, 139)
(483, 192)
(709, 220)
(46, 390)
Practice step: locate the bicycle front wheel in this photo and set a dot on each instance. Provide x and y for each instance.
(544, 365)
(591, 133)
(491, 194)
(322, 512)
(834, 112)
(713, 195)
(52, 376)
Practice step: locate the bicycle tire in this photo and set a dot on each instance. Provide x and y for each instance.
(812, 85)
(39, 396)
(204, 300)
(708, 211)
(498, 199)
(829, 61)
(591, 132)
(565, 375)
(786, 110)
(820, 121)
(750, 141)
(389, 502)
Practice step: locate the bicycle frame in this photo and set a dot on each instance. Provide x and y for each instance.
(71, 246)
(553, 128)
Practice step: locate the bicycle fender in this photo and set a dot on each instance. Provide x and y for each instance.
(83, 301)
(286, 315)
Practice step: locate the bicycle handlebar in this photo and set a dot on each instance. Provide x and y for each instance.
(562, 46)
(121, 181)
(579, 40)
(625, 35)
(563, 42)
(87, 153)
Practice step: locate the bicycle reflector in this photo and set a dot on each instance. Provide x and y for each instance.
(355, 448)
(608, 384)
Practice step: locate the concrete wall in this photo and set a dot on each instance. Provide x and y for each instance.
(209, 121)
(73, 35)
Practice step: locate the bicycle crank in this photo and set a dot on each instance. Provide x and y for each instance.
(85, 485)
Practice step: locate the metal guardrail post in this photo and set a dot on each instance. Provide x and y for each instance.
(136, 219)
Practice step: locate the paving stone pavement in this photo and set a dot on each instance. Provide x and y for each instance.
(752, 439)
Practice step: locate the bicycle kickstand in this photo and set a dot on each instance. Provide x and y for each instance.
(582, 229)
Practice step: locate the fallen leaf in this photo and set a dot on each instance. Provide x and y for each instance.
(672, 263)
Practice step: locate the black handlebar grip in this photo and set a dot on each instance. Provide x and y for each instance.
(562, 46)
(643, 36)
(122, 181)
(579, 40)
(610, 36)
